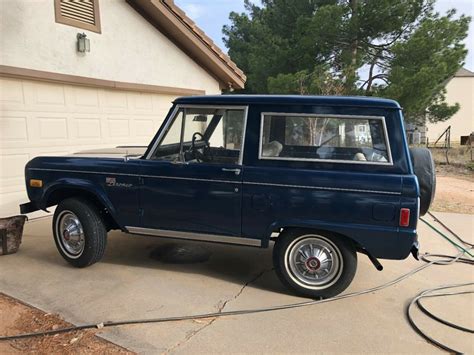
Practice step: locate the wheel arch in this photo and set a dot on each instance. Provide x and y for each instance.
(321, 228)
(323, 232)
(64, 190)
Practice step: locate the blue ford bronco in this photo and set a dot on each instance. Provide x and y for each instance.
(324, 178)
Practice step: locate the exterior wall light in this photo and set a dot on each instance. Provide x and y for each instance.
(83, 43)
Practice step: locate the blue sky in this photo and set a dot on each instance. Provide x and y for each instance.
(211, 15)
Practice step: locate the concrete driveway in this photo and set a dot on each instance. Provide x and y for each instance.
(128, 284)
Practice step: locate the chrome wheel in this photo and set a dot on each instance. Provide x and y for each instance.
(70, 233)
(314, 262)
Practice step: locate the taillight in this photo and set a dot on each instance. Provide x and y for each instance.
(404, 217)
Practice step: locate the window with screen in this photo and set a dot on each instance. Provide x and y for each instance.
(324, 138)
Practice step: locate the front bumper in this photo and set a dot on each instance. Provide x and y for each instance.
(28, 207)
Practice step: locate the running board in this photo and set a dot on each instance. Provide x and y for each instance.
(195, 236)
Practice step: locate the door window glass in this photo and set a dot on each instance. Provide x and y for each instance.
(203, 135)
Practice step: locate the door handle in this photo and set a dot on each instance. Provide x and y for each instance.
(235, 171)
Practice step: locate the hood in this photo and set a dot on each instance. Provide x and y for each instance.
(132, 152)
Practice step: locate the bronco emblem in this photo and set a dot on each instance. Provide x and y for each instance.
(111, 181)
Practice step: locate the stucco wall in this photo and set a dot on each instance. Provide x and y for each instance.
(129, 49)
(460, 90)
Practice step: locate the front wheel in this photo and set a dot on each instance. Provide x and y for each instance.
(316, 265)
(79, 232)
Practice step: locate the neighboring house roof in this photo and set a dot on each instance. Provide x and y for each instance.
(173, 22)
(463, 72)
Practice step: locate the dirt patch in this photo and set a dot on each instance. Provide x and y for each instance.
(455, 170)
(16, 318)
(454, 193)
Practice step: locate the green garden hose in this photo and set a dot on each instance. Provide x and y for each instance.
(447, 238)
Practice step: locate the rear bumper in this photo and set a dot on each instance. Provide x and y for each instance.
(395, 246)
(28, 207)
(415, 250)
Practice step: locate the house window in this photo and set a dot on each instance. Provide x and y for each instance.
(324, 138)
(78, 13)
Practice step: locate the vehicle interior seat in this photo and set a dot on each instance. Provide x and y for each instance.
(272, 149)
(360, 157)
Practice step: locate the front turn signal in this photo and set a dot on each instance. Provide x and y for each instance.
(36, 183)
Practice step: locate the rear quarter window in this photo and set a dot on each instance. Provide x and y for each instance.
(328, 138)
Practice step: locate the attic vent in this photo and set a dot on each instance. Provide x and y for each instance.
(78, 10)
(78, 13)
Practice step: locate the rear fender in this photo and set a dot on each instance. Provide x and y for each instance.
(380, 241)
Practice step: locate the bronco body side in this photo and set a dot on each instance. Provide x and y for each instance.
(255, 198)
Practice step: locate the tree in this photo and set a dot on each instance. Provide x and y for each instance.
(400, 49)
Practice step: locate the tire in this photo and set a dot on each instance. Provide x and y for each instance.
(424, 168)
(79, 232)
(339, 275)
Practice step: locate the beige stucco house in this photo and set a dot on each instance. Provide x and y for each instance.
(60, 93)
(459, 89)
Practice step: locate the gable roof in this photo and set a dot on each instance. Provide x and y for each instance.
(179, 28)
(463, 72)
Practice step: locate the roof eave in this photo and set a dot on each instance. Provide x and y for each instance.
(168, 19)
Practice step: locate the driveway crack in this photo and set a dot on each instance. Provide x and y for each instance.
(220, 308)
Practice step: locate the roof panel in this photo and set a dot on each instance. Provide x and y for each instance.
(289, 100)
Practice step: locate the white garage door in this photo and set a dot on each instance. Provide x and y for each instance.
(40, 118)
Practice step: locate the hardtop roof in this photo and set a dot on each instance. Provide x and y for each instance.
(359, 101)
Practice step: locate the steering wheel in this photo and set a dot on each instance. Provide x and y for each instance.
(200, 157)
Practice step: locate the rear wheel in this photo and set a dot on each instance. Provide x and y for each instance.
(314, 264)
(79, 232)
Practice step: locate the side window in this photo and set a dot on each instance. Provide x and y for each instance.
(319, 138)
(203, 135)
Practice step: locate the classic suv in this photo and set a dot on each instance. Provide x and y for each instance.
(323, 177)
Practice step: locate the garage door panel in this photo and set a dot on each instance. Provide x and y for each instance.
(141, 102)
(118, 128)
(143, 128)
(10, 202)
(113, 101)
(6, 189)
(12, 166)
(49, 94)
(85, 97)
(87, 128)
(162, 102)
(52, 128)
(11, 92)
(48, 119)
(13, 130)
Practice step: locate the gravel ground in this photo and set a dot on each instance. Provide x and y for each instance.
(17, 317)
(454, 193)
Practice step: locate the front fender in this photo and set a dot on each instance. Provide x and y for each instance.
(77, 184)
